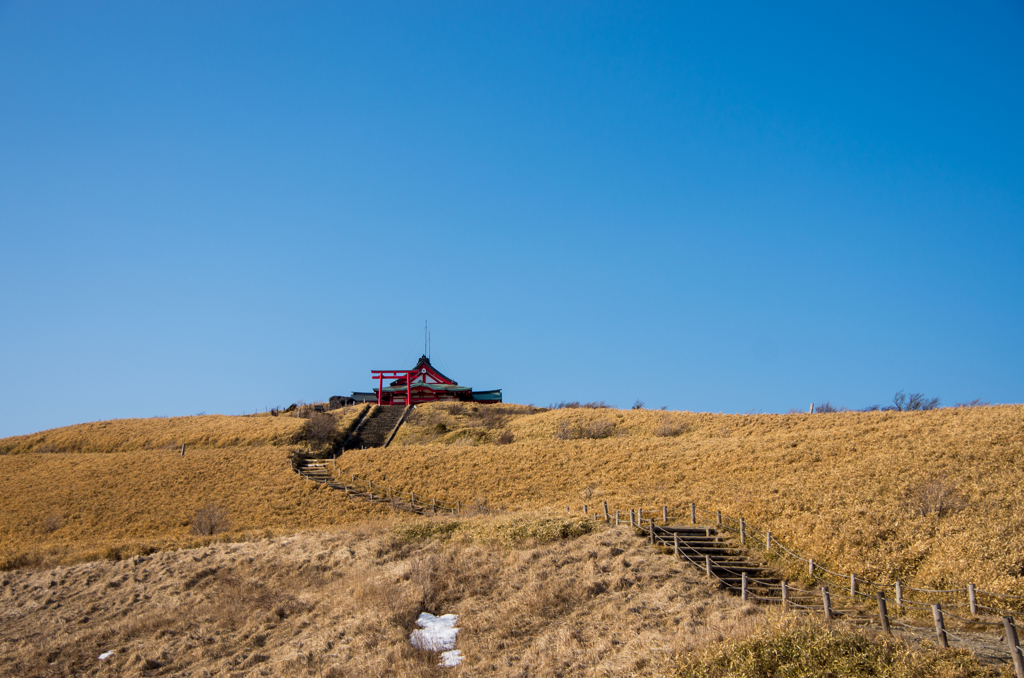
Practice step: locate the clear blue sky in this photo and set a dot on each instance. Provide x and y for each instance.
(217, 207)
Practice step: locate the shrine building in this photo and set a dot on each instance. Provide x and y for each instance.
(422, 384)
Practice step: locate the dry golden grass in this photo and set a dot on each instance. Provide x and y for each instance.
(854, 491)
(343, 604)
(61, 508)
(930, 498)
(128, 435)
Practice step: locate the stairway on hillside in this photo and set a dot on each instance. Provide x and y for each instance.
(725, 560)
(374, 432)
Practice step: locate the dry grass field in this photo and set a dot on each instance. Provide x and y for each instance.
(933, 498)
(535, 597)
(307, 581)
(132, 492)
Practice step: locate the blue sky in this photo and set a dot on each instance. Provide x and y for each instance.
(219, 207)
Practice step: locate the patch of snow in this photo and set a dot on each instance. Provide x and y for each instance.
(106, 655)
(451, 658)
(435, 633)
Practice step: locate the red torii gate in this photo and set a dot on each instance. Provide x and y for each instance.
(381, 375)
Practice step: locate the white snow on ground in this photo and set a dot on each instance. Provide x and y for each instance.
(451, 658)
(437, 634)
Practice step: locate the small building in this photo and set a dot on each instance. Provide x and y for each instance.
(422, 384)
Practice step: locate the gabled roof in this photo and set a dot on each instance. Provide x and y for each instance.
(427, 374)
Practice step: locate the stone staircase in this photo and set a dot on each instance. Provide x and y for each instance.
(377, 428)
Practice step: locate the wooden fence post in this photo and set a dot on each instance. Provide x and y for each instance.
(826, 601)
(650, 526)
(584, 509)
(458, 507)
(972, 597)
(719, 517)
(785, 595)
(883, 613)
(853, 586)
(631, 523)
(1014, 645)
(743, 586)
(693, 513)
(707, 565)
(768, 542)
(640, 516)
(616, 519)
(664, 515)
(810, 567)
(607, 519)
(675, 544)
(899, 597)
(743, 531)
(940, 626)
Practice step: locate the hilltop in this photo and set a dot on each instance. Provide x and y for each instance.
(326, 584)
(931, 498)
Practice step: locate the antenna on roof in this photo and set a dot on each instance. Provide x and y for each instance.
(428, 345)
(424, 337)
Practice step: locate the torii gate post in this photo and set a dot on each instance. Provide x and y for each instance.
(394, 374)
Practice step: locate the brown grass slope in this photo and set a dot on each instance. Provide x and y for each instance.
(132, 492)
(344, 603)
(854, 491)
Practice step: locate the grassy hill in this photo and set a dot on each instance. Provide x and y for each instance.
(932, 498)
(121, 488)
(328, 585)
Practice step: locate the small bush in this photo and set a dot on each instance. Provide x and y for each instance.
(914, 402)
(492, 417)
(505, 438)
(418, 532)
(209, 520)
(935, 497)
(575, 404)
(639, 404)
(593, 429)
(977, 402)
(826, 408)
(670, 428)
(456, 409)
(809, 649)
(320, 429)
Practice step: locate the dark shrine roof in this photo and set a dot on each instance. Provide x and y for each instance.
(424, 361)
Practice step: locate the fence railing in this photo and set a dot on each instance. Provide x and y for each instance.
(978, 609)
(982, 607)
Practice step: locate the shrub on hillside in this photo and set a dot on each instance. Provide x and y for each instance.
(935, 497)
(826, 408)
(492, 417)
(320, 429)
(593, 429)
(505, 438)
(670, 427)
(809, 648)
(575, 404)
(209, 520)
(914, 402)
